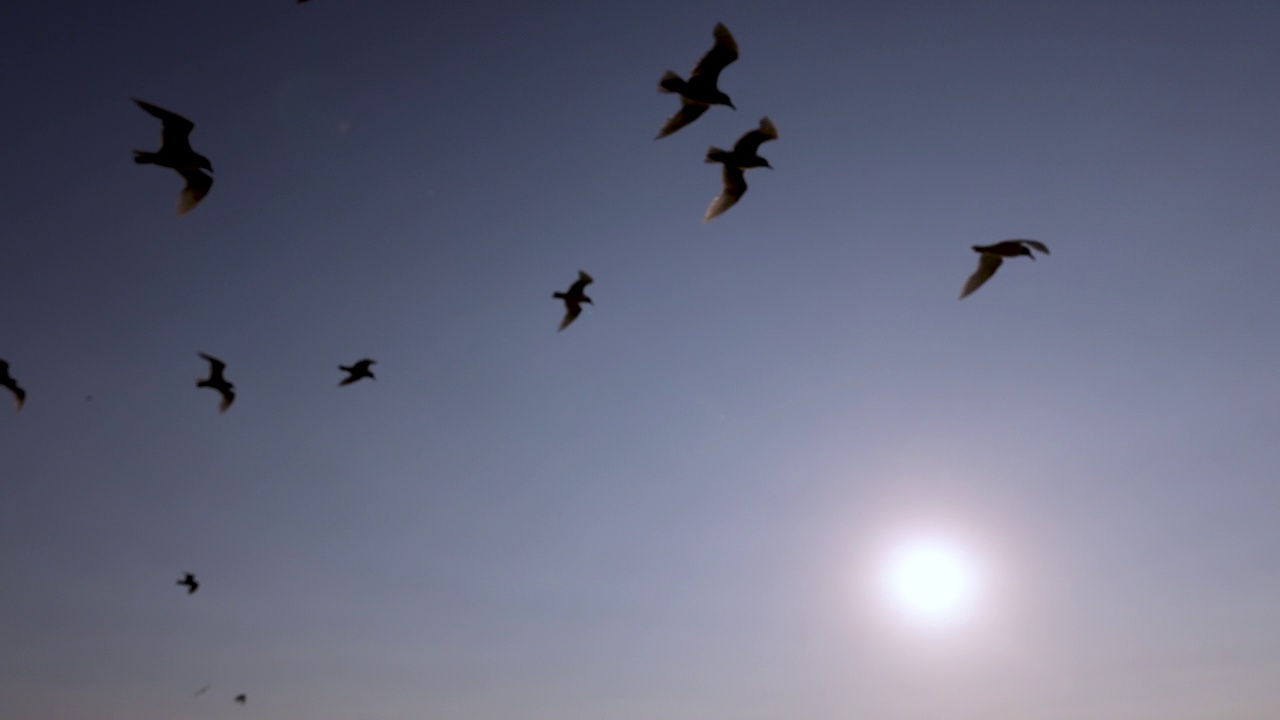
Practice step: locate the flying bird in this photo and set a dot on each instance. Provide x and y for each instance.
(357, 371)
(992, 257)
(175, 153)
(700, 92)
(189, 581)
(574, 298)
(218, 382)
(202, 690)
(743, 156)
(6, 380)
(242, 698)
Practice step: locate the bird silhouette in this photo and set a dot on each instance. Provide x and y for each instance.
(242, 698)
(992, 257)
(357, 371)
(218, 382)
(743, 156)
(574, 298)
(175, 153)
(700, 91)
(189, 581)
(6, 380)
(202, 690)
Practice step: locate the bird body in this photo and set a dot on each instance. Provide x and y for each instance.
(573, 299)
(992, 257)
(218, 382)
(175, 153)
(7, 381)
(242, 698)
(701, 90)
(744, 155)
(189, 581)
(357, 371)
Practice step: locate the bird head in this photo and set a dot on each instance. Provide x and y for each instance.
(1024, 250)
(765, 163)
(722, 99)
(204, 164)
(587, 300)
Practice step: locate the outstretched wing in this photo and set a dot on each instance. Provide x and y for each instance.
(581, 283)
(987, 266)
(19, 394)
(689, 111)
(175, 130)
(228, 397)
(571, 312)
(725, 51)
(198, 184)
(1036, 245)
(749, 144)
(735, 184)
(216, 366)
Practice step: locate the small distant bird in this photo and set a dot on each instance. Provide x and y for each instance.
(6, 380)
(242, 698)
(700, 92)
(743, 156)
(203, 690)
(189, 581)
(175, 152)
(218, 382)
(357, 371)
(992, 257)
(574, 298)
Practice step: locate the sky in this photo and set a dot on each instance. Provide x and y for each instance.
(680, 506)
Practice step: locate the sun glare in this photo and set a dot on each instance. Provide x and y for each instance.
(932, 581)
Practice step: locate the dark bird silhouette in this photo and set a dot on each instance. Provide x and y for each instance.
(992, 257)
(357, 371)
(218, 382)
(175, 153)
(700, 91)
(242, 698)
(203, 690)
(6, 380)
(743, 156)
(189, 581)
(574, 298)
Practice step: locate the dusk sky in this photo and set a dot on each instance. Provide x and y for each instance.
(686, 504)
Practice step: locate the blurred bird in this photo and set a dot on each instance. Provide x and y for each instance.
(574, 298)
(175, 152)
(700, 92)
(357, 371)
(6, 380)
(189, 581)
(203, 690)
(992, 257)
(743, 157)
(242, 698)
(218, 382)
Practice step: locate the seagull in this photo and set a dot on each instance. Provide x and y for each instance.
(992, 256)
(175, 152)
(574, 298)
(699, 92)
(202, 690)
(189, 581)
(357, 371)
(6, 380)
(218, 382)
(242, 698)
(744, 155)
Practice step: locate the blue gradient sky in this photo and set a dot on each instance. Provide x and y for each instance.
(673, 509)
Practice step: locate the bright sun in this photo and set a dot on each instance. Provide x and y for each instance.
(932, 581)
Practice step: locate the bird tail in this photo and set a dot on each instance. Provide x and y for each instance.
(670, 83)
(144, 158)
(715, 154)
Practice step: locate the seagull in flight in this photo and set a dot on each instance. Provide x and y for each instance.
(574, 298)
(7, 381)
(218, 382)
(189, 581)
(175, 153)
(242, 698)
(991, 257)
(700, 92)
(357, 371)
(743, 156)
(202, 690)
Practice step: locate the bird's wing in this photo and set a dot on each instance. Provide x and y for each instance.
(735, 184)
(198, 184)
(1036, 245)
(19, 394)
(581, 283)
(688, 112)
(750, 143)
(175, 128)
(571, 313)
(228, 397)
(215, 364)
(347, 380)
(987, 266)
(718, 57)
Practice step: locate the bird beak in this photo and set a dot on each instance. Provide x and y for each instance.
(731, 107)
